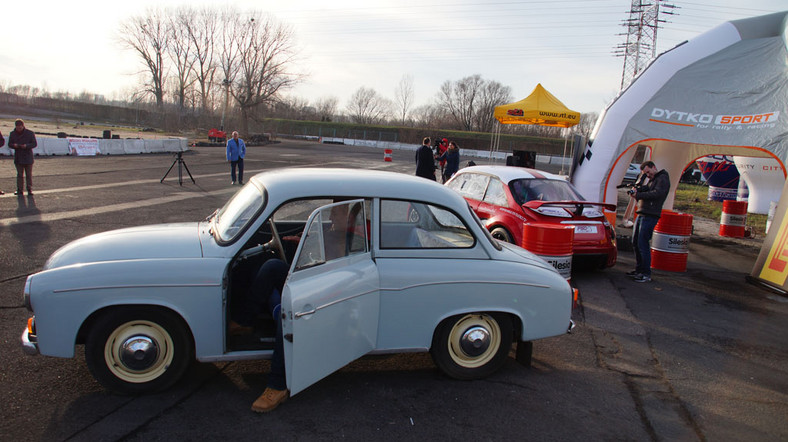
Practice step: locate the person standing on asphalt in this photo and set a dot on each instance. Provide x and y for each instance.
(425, 160)
(650, 198)
(452, 159)
(2, 143)
(23, 141)
(443, 146)
(236, 151)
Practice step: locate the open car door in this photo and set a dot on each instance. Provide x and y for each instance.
(331, 300)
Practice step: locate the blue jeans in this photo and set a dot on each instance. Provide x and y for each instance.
(641, 237)
(266, 291)
(276, 378)
(240, 165)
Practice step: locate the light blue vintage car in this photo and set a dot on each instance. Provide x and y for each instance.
(416, 271)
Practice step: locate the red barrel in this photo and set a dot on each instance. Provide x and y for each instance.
(670, 243)
(733, 219)
(387, 154)
(551, 242)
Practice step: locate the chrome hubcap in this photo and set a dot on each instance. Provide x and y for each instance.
(475, 341)
(138, 352)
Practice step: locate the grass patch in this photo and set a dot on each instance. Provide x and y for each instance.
(692, 199)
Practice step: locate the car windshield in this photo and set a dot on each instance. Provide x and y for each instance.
(529, 189)
(233, 218)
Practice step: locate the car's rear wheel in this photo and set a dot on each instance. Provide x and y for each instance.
(138, 350)
(502, 234)
(472, 346)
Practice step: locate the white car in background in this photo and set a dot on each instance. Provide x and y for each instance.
(417, 272)
(632, 173)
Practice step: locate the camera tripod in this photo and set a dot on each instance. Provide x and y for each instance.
(181, 163)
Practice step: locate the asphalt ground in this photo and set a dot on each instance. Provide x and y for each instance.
(695, 355)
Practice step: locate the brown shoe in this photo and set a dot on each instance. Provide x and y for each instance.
(269, 400)
(236, 329)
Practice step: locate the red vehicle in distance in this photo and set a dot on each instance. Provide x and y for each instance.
(505, 198)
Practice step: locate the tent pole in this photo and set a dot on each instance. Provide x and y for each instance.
(494, 141)
(563, 157)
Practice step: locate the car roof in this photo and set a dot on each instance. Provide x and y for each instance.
(291, 183)
(510, 173)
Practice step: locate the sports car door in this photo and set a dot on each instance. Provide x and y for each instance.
(330, 301)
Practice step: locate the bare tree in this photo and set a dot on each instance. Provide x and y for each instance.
(265, 51)
(587, 122)
(428, 116)
(459, 99)
(492, 94)
(202, 31)
(403, 97)
(326, 108)
(229, 52)
(147, 35)
(181, 51)
(367, 107)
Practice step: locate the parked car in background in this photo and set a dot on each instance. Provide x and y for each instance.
(405, 267)
(506, 198)
(631, 174)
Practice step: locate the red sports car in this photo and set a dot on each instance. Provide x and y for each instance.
(506, 197)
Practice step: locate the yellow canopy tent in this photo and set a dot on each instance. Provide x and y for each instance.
(541, 108)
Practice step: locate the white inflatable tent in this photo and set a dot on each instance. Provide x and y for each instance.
(723, 92)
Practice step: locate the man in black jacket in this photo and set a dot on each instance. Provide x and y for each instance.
(650, 198)
(425, 160)
(23, 141)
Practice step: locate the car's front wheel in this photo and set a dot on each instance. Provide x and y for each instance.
(502, 234)
(472, 346)
(135, 350)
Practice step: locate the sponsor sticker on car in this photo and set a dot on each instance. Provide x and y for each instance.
(585, 229)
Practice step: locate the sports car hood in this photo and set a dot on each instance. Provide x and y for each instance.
(147, 242)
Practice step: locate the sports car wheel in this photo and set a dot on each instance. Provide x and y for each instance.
(138, 350)
(502, 234)
(472, 346)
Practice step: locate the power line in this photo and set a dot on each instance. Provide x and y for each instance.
(641, 43)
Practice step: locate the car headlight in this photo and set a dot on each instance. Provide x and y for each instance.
(26, 293)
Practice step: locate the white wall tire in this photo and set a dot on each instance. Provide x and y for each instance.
(134, 350)
(472, 346)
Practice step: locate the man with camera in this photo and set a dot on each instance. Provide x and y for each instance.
(650, 198)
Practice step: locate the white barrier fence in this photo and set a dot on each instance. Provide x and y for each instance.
(60, 146)
(549, 159)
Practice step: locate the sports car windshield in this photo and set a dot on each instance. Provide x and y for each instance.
(238, 212)
(529, 189)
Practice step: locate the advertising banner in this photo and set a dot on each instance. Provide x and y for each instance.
(771, 267)
(83, 146)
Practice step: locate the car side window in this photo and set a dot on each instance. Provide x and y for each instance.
(416, 225)
(495, 193)
(471, 185)
(334, 231)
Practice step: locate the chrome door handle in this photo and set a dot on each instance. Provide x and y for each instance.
(306, 313)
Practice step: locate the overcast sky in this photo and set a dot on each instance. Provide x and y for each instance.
(567, 45)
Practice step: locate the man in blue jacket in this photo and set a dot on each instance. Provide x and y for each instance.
(236, 151)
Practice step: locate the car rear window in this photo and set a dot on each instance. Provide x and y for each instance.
(470, 185)
(529, 189)
(417, 225)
